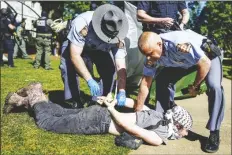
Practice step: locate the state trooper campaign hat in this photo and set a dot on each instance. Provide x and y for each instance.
(110, 23)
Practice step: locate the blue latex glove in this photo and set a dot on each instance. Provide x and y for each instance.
(121, 98)
(94, 87)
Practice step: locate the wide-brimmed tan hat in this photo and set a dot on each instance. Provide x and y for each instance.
(110, 23)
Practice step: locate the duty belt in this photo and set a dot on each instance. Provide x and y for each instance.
(210, 49)
(175, 26)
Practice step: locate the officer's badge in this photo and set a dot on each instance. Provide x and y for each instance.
(84, 31)
(184, 47)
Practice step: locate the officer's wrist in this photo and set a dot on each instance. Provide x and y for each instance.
(196, 87)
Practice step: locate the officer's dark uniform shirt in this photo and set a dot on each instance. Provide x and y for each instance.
(161, 9)
(6, 30)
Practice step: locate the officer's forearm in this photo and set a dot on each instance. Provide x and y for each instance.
(143, 17)
(143, 92)
(185, 16)
(203, 67)
(78, 62)
(121, 72)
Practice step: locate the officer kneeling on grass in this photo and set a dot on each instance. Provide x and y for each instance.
(131, 129)
(178, 52)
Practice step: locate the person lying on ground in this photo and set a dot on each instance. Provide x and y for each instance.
(146, 124)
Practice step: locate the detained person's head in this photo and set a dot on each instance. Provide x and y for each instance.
(182, 120)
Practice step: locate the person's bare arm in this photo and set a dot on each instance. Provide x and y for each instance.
(131, 103)
(148, 136)
(143, 17)
(75, 54)
(203, 67)
(143, 92)
(121, 71)
(185, 18)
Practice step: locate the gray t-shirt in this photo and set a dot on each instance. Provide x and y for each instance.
(147, 118)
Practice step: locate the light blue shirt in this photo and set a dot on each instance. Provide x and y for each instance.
(175, 58)
(91, 40)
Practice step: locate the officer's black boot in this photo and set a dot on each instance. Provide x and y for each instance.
(213, 142)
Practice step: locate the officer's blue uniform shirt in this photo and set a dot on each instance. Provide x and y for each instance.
(162, 8)
(175, 58)
(91, 40)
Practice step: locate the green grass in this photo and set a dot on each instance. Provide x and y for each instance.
(20, 135)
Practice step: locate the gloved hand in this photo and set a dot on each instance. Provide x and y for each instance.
(94, 87)
(121, 98)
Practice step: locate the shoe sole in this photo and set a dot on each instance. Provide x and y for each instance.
(7, 107)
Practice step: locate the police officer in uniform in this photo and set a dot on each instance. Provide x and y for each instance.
(43, 40)
(20, 41)
(160, 16)
(7, 39)
(89, 36)
(178, 52)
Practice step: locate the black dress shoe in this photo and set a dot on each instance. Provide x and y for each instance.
(213, 142)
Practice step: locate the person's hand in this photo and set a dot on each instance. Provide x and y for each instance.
(167, 22)
(121, 98)
(184, 47)
(192, 90)
(94, 87)
(182, 26)
(110, 103)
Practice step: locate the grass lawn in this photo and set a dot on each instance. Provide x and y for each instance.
(20, 135)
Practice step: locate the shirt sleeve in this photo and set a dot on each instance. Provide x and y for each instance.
(143, 5)
(182, 5)
(120, 53)
(74, 35)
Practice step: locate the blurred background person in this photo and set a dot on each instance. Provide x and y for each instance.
(20, 43)
(43, 40)
(7, 29)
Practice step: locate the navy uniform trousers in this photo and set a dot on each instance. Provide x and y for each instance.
(165, 91)
(104, 65)
(8, 45)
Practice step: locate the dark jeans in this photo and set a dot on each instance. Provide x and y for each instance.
(52, 117)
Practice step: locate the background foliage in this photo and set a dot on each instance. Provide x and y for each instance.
(214, 20)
